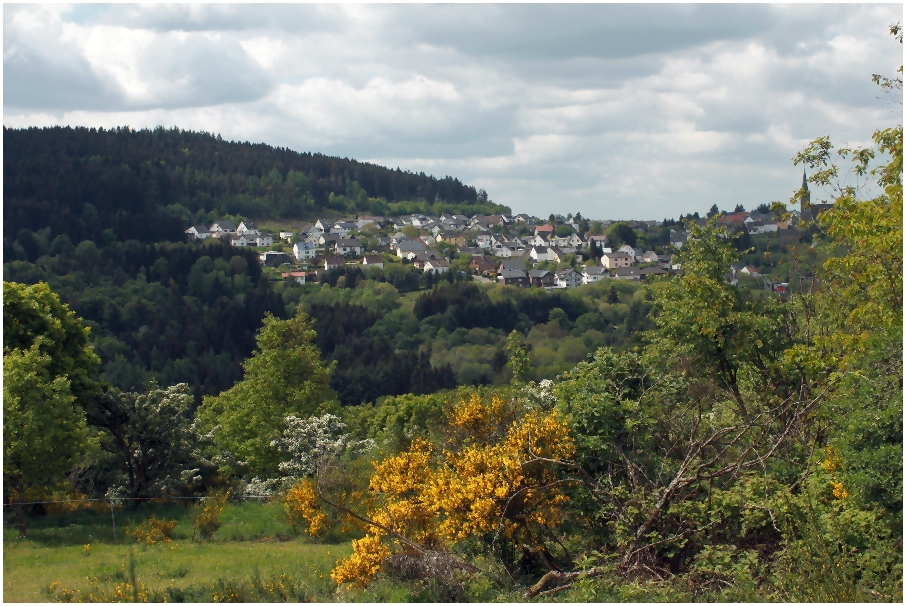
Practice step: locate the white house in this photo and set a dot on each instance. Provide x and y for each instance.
(567, 278)
(237, 240)
(261, 238)
(198, 232)
(246, 227)
(591, 275)
(304, 251)
(437, 266)
(222, 227)
(331, 262)
(348, 247)
(539, 253)
(409, 247)
(373, 261)
(286, 235)
(629, 250)
(298, 276)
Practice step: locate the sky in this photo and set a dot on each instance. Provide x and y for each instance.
(619, 111)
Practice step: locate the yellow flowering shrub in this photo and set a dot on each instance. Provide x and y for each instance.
(831, 461)
(207, 518)
(153, 531)
(302, 507)
(365, 561)
(472, 490)
(838, 490)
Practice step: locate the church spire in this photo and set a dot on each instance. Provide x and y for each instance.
(804, 181)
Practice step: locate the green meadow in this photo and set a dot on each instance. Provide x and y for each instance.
(254, 556)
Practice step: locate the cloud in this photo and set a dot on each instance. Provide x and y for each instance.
(615, 110)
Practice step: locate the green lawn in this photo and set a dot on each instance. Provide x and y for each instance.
(254, 545)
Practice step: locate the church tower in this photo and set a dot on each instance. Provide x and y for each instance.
(804, 200)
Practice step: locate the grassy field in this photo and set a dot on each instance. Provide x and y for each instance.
(244, 560)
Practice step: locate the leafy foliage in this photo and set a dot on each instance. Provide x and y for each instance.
(283, 377)
(150, 444)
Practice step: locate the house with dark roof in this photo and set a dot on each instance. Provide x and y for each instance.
(408, 248)
(512, 263)
(247, 227)
(273, 258)
(223, 227)
(331, 262)
(594, 273)
(348, 247)
(198, 232)
(482, 264)
(541, 277)
(627, 273)
(437, 266)
(513, 277)
(567, 278)
(373, 261)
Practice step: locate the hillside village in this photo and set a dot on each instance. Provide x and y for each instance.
(519, 250)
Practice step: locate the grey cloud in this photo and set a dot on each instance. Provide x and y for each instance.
(291, 18)
(37, 82)
(202, 72)
(587, 30)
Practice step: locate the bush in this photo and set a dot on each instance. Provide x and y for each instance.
(153, 531)
(207, 519)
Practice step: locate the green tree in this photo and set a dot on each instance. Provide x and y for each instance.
(48, 376)
(284, 377)
(33, 315)
(44, 431)
(621, 233)
(150, 442)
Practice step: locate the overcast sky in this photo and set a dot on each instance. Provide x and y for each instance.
(617, 111)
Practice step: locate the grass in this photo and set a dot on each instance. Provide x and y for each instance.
(250, 551)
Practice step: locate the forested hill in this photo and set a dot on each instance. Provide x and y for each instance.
(150, 185)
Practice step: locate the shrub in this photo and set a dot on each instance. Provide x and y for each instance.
(153, 531)
(207, 519)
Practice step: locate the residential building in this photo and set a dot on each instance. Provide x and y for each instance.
(437, 266)
(272, 258)
(482, 264)
(331, 262)
(198, 232)
(514, 263)
(373, 261)
(303, 251)
(646, 272)
(261, 238)
(592, 274)
(627, 273)
(513, 277)
(298, 276)
(222, 227)
(567, 278)
(407, 248)
(246, 227)
(616, 259)
(347, 247)
(538, 254)
(541, 277)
